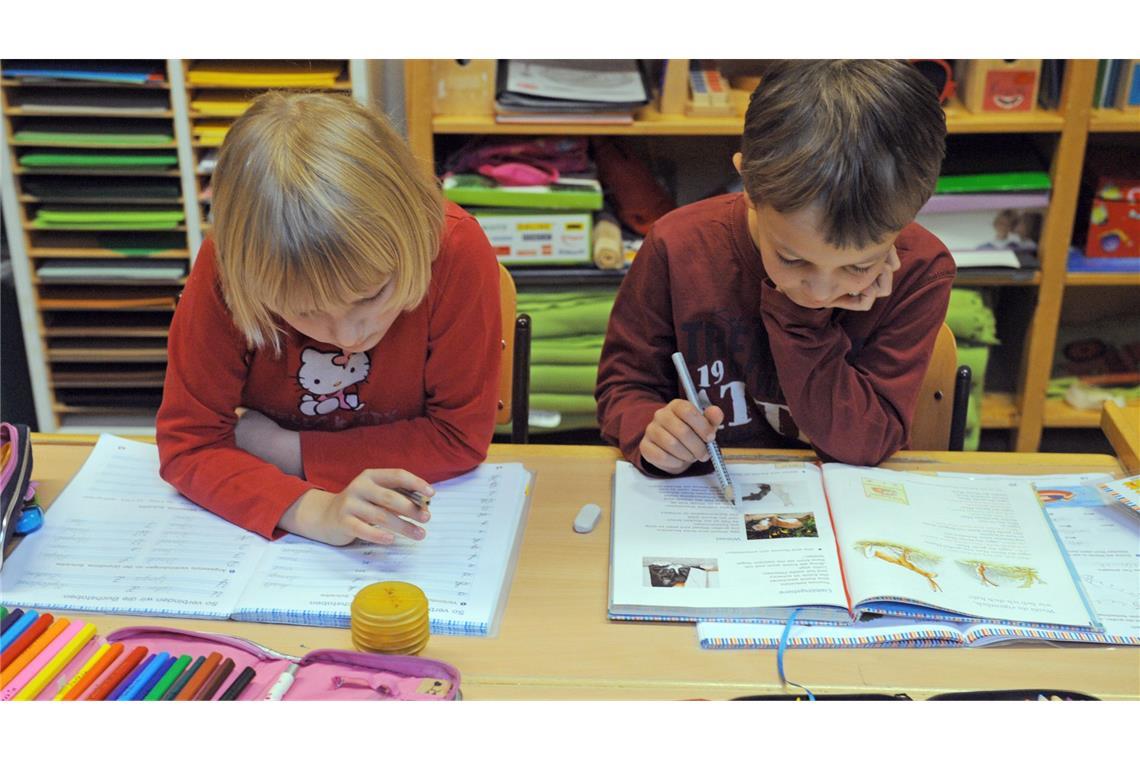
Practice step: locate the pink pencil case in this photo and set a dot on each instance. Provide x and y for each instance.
(322, 674)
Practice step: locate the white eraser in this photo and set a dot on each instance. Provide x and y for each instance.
(587, 518)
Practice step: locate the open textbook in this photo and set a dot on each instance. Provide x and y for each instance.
(838, 543)
(1103, 544)
(120, 540)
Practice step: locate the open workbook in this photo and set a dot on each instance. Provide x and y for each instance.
(1102, 543)
(120, 540)
(838, 542)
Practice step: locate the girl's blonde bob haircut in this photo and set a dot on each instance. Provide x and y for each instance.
(317, 202)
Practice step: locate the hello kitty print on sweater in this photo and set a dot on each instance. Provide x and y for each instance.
(330, 380)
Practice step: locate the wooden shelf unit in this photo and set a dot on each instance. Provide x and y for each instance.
(53, 354)
(1024, 412)
(352, 79)
(57, 372)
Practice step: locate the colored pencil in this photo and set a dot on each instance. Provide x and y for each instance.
(66, 652)
(25, 639)
(10, 619)
(3, 612)
(219, 675)
(168, 679)
(14, 631)
(239, 685)
(148, 678)
(125, 666)
(194, 685)
(183, 679)
(37, 646)
(45, 655)
(130, 679)
(91, 670)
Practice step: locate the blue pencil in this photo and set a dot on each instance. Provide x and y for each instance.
(22, 623)
(148, 678)
(10, 619)
(130, 679)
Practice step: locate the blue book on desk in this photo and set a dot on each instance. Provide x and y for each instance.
(836, 544)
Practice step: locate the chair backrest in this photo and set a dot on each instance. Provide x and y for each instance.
(1121, 426)
(507, 299)
(934, 413)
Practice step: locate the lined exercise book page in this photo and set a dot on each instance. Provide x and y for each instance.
(462, 565)
(120, 539)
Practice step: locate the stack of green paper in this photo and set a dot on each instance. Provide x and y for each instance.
(568, 329)
(107, 218)
(88, 160)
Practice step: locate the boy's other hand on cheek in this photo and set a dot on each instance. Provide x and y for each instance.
(265, 439)
(880, 287)
(367, 509)
(677, 435)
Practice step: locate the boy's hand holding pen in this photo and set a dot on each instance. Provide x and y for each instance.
(684, 431)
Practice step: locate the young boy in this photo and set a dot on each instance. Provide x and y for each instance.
(807, 306)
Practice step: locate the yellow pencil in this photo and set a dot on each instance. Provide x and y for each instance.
(40, 644)
(56, 665)
(82, 672)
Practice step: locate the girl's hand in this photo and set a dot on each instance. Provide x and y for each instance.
(880, 287)
(265, 439)
(677, 435)
(369, 509)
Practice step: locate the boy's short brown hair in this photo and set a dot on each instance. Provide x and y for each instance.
(862, 141)
(317, 202)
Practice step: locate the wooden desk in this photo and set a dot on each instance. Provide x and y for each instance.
(555, 641)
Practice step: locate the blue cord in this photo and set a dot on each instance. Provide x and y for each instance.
(780, 656)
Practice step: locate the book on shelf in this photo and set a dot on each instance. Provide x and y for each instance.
(1100, 542)
(1079, 262)
(838, 543)
(119, 540)
(571, 91)
(563, 193)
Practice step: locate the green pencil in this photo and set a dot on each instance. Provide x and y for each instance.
(167, 679)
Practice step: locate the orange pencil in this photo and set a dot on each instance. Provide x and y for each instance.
(195, 683)
(33, 651)
(26, 638)
(108, 684)
(89, 673)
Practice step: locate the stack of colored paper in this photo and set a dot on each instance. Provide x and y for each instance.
(264, 74)
(26, 136)
(210, 133)
(210, 103)
(88, 159)
(567, 330)
(119, 72)
(107, 218)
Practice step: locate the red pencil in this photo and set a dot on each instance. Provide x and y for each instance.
(194, 685)
(27, 637)
(108, 684)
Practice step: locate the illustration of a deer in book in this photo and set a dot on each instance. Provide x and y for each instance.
(903, 556)
(990, 573)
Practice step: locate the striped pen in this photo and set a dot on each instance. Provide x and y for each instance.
(726, 485)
